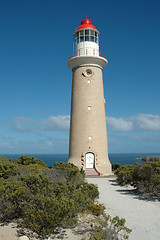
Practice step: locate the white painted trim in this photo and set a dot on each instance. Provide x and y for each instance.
(87, 60)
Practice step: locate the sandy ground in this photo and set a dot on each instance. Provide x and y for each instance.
(8, 232)
(142, 216)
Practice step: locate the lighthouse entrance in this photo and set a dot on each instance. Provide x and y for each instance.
(89, 160)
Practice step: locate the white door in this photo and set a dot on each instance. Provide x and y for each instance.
(89, 160)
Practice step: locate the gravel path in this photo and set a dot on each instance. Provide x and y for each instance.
(142, 216)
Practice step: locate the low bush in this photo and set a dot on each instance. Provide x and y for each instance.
(27, 160)
(44, 198)
(124, 174)
(144, 176)
(97, 209)
(7, 168)
(115, 166)
(47, 198)
(69, 171)
(111, 229)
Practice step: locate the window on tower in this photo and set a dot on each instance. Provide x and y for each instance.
(89, 138)
(88, 72)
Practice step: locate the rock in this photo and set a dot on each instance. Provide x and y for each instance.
(23, 238)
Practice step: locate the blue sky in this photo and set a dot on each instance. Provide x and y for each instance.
(35, 82)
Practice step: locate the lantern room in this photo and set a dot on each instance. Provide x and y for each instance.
(86, 39)
(86, 46)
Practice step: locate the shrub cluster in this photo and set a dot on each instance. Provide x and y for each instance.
(110, 229)
(144, 176)
(48, 198)
(44, 198)
(115, 166)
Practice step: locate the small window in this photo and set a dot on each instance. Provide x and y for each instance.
(77, 40)
(89, 108)
(88, 72)
(89, 138)
(95, 34)
(96, 40)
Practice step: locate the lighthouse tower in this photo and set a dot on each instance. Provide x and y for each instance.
(88, 135)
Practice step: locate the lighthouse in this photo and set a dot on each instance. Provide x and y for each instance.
(88, 147)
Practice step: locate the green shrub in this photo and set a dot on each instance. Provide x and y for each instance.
(144, 176)
(46, 198)
(63, 165)
(43, 198)
(71, 172)
(118, 226)
(14, 195)
(47, 213)
(111, 228)
(124, 174)
(7, 168)
(27, 160)
(99, 234)
(90, 190)
(144, 158)
(115, 166)
(97, 209)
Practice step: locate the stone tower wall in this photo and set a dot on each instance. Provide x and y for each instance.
(87, 91)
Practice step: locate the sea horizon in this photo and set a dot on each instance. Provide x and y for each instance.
(51, 158)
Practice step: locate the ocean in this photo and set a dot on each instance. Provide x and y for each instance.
(122, 158)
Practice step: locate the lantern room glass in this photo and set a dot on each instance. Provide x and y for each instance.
(86, 35)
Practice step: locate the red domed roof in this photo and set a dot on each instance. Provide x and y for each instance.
(86, 24)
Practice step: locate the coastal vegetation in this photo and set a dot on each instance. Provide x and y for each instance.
(44, 199)
(145, 176)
